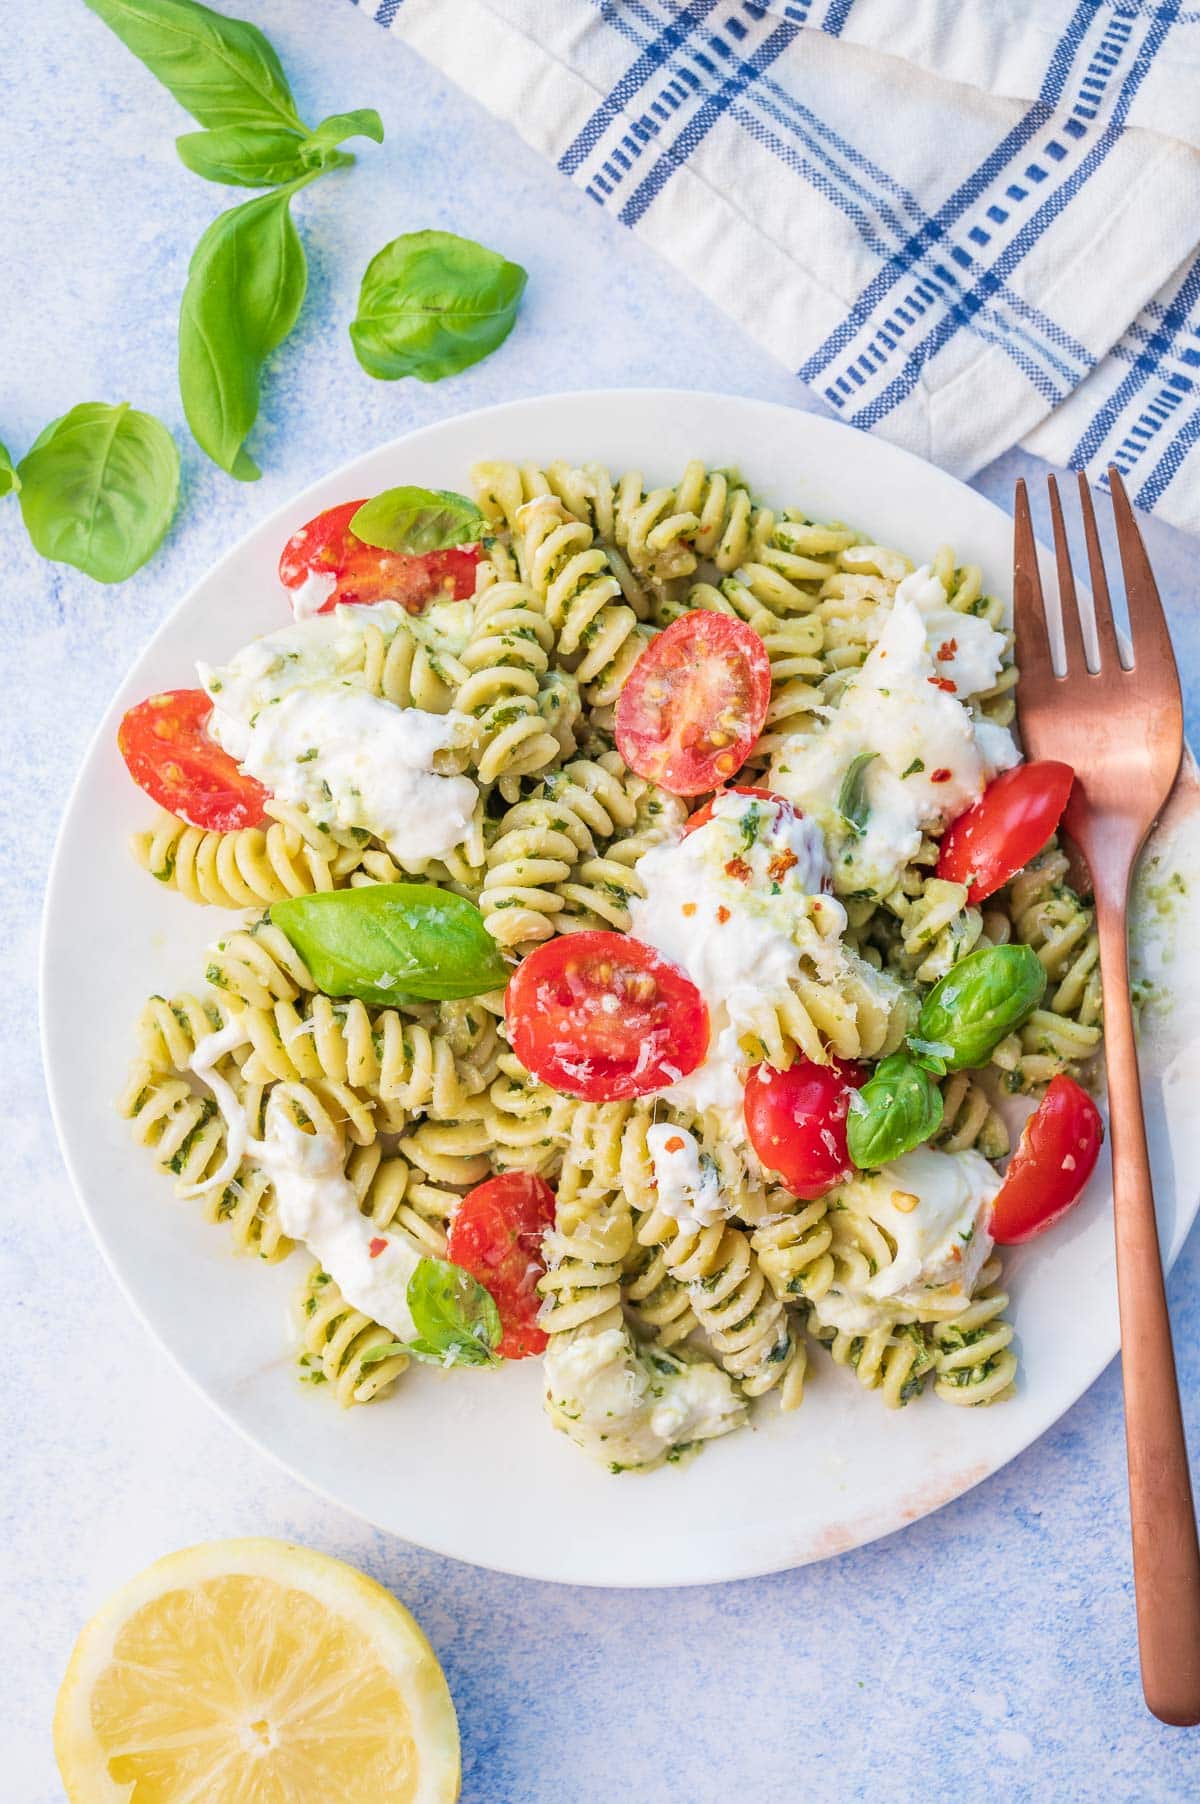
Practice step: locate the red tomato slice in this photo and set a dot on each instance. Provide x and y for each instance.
(366, 573)
(694, 703)
(1011, 821)
(703, 815)
(172, 758)
(497, 1237)
(1055, 1157)
(796, 1120)
(601, 1016)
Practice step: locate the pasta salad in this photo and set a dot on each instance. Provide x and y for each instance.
(644, 913)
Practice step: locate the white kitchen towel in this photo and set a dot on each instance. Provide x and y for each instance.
(965, 223)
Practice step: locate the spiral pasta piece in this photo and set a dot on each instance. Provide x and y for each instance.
(975, 1361)
(186, 1135)
(342, 1347)
(793, 1250)
(248, 866)
(504, 663)
(969, 1119)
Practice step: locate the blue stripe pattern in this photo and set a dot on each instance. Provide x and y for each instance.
(681, 72)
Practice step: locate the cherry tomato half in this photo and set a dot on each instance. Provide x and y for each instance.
(1011, 821)
(796, 1120)
(365, 573)
(497, 1237)
(172, 758)
(1055, 1157)
(602, 1016)
(703, 815)
(694, 703)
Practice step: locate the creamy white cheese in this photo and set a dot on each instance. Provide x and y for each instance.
(688, 1187)
(736, 904)
(931, 758)
(964, 648)
(287, 708)
(935, 1208)
(629, 1406)
(318, 1205)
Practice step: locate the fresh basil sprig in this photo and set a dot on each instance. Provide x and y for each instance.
(416, 521)
(432, 304)
(852, 803)
(222, 71)
(9, 480)
(981, 999)
(389, 942)
(456, 1319)
(245, 286)
(899, 1107)
(247, 277)
(264, 156)
(98, 489)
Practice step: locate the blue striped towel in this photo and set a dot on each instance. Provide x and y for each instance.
(965, 223)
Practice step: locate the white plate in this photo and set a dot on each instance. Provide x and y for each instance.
(465, 1463)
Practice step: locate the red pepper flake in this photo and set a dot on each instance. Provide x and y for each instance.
(941, 775)
(947, 650)
(673, 1145)
(376, 1247)
(944, 683)
(781, 864)
(739, 869)
(722, 914)
(688, 909)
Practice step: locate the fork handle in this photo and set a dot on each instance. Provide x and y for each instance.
(1166, 1557)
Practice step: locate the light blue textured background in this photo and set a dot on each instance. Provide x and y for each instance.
(987, 1652)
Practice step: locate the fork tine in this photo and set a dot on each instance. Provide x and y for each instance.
(1029, 613)
(1147, 623)
(1072, 623)
(1106, 632)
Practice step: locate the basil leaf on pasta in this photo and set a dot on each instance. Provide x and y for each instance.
(983, 997)
(98, 489)
(432, 304)
(9, 480)
(391, 941)
(456, 1319)
(223, 71)
(245, 287)
(899, 1107)
(418, 520)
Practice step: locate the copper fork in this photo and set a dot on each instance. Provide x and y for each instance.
(1121, 729)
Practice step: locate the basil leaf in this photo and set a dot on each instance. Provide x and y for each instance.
(432, 304)
(418, 520)
(456, 1319)
(98, 489)
(9, 480)
(391, 941)
(245, 286)
(223, 71)
(983, 997)
(899, 1107)
(852, 803)
(363, 122)
(250, 156)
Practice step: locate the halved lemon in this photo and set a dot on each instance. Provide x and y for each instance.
(255, 1672)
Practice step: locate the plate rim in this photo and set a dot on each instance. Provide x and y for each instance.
(859, 1532)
